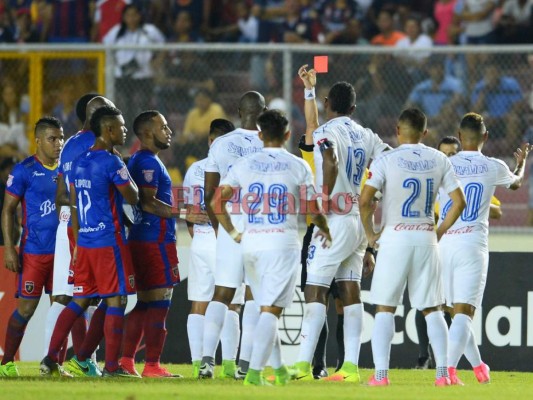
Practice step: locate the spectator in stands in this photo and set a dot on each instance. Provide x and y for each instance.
(297, 27)
(351, 34)
(515, 24)
(335, 16)
(387, 36)
(107, 14)
(496, 97)
(477, 18)
(68, 21)
(415, 39)
(6, 32)
(133, 71)
(443, 14)
(25, 31)
(192, 143)
(199, 10)
(12, 118)
(65, 110)
(528, 138)
(182, 29)
(244, 30)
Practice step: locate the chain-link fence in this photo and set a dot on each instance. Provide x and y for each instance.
(193, 84)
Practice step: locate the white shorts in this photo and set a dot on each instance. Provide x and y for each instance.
(62, 262)
(414, 266)
(272, 275)
(201, 280)
(464, 273)
(344, 259)
(229, 270)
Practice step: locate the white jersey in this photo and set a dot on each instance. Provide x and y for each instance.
(479, 175)
(354, 147)
(226, 149)
(194, 194)
(273, 184)
(409, 178)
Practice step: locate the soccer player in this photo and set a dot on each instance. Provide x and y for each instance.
(271, 183)
(202, 256)
(409, 177)
(229, 271)
(152, 241)
(342, 152)
(62, 288)
(99, 185)
(32, 183)
(464, 252)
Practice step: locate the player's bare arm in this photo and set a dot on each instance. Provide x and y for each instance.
(218, 205)
(367, 208)
(458, 204)
(194, 215)
(62, 198)
(212, 180)
(310, 107)
(11, 258)
(520, 156)
(151, 204)
(330, 170)
(320, 220)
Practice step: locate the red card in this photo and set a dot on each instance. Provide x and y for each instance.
(321, 64)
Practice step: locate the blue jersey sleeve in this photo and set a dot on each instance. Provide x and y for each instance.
(145, 172)
(117, 171)
(17, 181)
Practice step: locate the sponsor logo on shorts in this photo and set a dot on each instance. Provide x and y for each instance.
(148, 175)
(131, 279)
(78, 289)
(29, 286)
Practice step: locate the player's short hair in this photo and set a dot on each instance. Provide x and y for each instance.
(341, 98)
(103, 114)
(415, 118)
(81, 106)
(273, 124)
(450, 140)
(45, 123)
(220, 126)
(142, 119)
(472, 122)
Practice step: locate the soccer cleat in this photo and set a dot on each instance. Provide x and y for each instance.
(120, 372)
(53, 369)
(423, 363)
(303, 371)
(128, 364)
(255, 378)
(206, 371)
(83, 368)
(240, 374)
(195, 368)
(454, 379)
(153, 370)
(320, 373)
(382, 382)
(348, 373)
(482, 372)
(228, 370)
(443, 381)
(283, 375)
(9, 370)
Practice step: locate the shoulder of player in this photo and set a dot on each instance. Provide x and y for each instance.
(496, 161)
(224, 138)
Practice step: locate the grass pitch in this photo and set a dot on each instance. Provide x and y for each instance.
(406, 384)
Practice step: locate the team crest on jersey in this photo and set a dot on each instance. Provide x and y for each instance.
(10, 180)
(29, 286)
(148, 175)
(131, 280)
(123, 172)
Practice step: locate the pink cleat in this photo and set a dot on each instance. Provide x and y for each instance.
(374, 382)
(443, 381)
(454, 379)
(128, 364)
(482, 372)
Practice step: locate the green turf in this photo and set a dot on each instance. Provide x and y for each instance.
(406, 384)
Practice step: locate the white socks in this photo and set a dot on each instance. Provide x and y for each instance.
(381, 339)
(276, 360)
(265, 333)
(353, 329)
(195, 332)
(438, 337)
(250, 317)
(458, 337)
(315, 315)
(472, 351)
(229, 338)
(213, 322)
(51, 319)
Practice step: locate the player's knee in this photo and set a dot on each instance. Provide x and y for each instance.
(62, 299)
(223, 294)
(315, 294)
(26, 310)
(235, 307)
